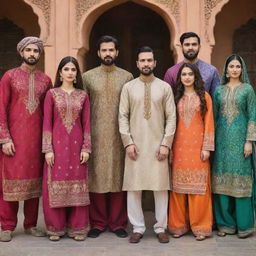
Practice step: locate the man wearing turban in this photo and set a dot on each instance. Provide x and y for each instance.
(22, 92)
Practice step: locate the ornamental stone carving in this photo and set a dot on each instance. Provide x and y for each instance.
(45, 6)
(82, 7)
(209, 5)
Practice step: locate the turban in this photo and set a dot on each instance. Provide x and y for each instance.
(30, 40)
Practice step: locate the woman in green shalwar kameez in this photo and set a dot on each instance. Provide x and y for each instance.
(235, 130)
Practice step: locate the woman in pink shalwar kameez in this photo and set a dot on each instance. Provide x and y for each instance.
(66, 144)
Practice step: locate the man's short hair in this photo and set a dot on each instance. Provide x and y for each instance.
(188, 35)
(107, 39)
(144, 49)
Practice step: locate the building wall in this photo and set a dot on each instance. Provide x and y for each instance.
(65, 25)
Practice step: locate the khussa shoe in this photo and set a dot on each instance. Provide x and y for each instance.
(121, 232)
(163, 238)
(135, 238)
(35, 232)
(95, 232)
(6, 236)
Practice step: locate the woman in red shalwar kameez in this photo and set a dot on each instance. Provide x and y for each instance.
(66, 142)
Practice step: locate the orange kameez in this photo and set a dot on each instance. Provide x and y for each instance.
(190, 199)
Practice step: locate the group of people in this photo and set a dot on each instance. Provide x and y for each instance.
(106, 137)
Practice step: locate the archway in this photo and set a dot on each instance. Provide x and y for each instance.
(13, 27)
(141, 27)
(244, 44)
(234, 15)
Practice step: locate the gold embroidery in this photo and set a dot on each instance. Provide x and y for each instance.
(69, 106)
(229, 107)
(20, 190)
(87, 143)
(67, 192)
(232, 185)
(189, 181)
(187, 107)
(202, 231)
(208, 143)
(251, 131)
(78, 231)
(179, 230)
(47, 142)
(31, 102)
(147, 101)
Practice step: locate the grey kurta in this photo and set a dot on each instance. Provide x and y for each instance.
(106, 163)
(147, 118)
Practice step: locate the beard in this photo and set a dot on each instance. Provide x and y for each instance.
(108, 60)
(30, 61)
(190, 55)
(146, 72)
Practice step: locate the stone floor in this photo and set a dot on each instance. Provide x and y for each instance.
(109, 245)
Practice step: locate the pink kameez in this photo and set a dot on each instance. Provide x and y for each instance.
(66, 132)
(21, 114)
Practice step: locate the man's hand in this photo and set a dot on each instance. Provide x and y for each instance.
(84, 156)
(49, 158)
(132, 152)
(8, 148)
(205, 154)
(162, 153)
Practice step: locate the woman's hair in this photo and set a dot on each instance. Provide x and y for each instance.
(225, 79)
(198, 86)
(79, 83)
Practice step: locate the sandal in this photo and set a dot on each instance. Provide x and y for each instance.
(54, 238)
(200, 238)
(221, 233)
(79, 238)
(176, 236)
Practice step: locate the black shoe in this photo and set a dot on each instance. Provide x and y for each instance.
(95, 232)
(121, 233)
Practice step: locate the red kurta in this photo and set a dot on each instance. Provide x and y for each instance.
(21, 114)
(66, 132)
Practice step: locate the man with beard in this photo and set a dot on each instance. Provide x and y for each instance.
(106, 165)
(190, 44)
(147, 122)
(22, 93)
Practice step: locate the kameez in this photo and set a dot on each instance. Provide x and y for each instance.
(232, 173)
(66, 133)
(21, 113)
(106, 164)
(190, 199)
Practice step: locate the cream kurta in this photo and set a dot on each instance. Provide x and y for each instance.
(106, 163)
(147, 118)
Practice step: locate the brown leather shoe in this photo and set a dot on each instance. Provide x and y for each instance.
(135, 238)
(163, 238)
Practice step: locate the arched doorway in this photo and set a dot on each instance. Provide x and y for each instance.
(244, 44)
(13, 27)
(10, 34)
(234, 15)
(134, 26)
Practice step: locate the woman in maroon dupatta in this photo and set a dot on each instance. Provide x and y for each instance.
(66, 144)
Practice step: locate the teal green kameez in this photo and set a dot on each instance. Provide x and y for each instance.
(232, 173)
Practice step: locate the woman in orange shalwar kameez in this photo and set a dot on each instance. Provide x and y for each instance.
(190, 199)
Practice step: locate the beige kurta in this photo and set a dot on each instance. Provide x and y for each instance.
(147, 118)
(106, 164)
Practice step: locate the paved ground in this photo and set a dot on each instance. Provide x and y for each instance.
(109, 245)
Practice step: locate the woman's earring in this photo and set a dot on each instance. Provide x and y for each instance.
(75, 81)
(227, 75)
(61, 78)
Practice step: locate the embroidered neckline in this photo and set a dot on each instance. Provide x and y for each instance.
(108, 68)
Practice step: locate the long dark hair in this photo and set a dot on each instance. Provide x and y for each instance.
(198, 86)
(63, 62)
